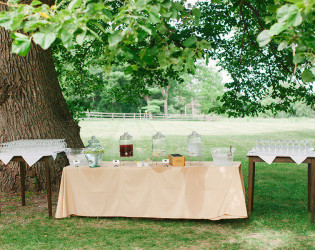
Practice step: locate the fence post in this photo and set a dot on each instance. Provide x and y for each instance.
(124, 116)
(112, 116)
(89, 115)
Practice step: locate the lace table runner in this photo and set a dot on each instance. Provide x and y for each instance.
(31, 150)
(270, 156)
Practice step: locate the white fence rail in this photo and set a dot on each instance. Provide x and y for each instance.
(187, 117)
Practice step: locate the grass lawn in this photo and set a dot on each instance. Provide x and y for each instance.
(280, 218)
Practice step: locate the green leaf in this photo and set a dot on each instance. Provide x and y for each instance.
(142, 35)
(5, 20)
(295, 19)
(174, 13)
(276, 28)
(74, 3)
(34, 25)
(80, 38)
(268, 19)
(190, 41)
(289, 14)
(128, 70)
(98, 6)
(161, 28)
(21, 44)
(134, 67)
(154, 14)
(178, 6)
(283, 13)
(264, 38)
(166, 4)
(282, 45)
(142, 4)
(107, 13)
(36, 2)
(272, 8)
(197, 13)
(100, 27)
(146, 29)
(66, 38)
(44, 39)
(308, 76)
(298, 58)
(115, 38)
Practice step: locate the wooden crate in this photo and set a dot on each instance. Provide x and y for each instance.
(176, 160)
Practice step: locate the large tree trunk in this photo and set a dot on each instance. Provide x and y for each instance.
(31, 107)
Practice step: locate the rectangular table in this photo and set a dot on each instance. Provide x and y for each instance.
(191, 192)
(282, 159)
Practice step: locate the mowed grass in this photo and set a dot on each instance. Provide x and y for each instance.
(280, 218)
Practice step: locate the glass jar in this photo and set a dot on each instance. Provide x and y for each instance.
(94, 153)
(194, 144)
(158, 145)
(126, 145)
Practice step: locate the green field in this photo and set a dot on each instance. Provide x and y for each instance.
(280, 218)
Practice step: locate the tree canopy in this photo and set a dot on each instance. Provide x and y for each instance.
(155, 40)
(263, 78)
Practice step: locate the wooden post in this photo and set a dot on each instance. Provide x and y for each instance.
(309, 186)
(112, 116)
(313, 190)
(134, 116)
(46, 160)
(22, 179)
(124, 116)
(250, 191)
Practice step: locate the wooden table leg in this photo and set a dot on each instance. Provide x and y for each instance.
(46, 159)
(253, 187)
(251, 177)
(309, 185)
(313, 190)
(22, 179)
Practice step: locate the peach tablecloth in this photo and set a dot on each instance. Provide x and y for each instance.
(191, 192)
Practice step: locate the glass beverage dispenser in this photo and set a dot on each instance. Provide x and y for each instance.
(158, 145)
(194, 144)
(94, 153)
(126, 145)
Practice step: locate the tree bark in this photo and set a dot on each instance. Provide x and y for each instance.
(32, 107)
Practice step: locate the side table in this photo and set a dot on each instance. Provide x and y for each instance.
(282, 159)
(22, 165)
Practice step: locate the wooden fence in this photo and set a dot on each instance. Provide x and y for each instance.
(185, 117)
